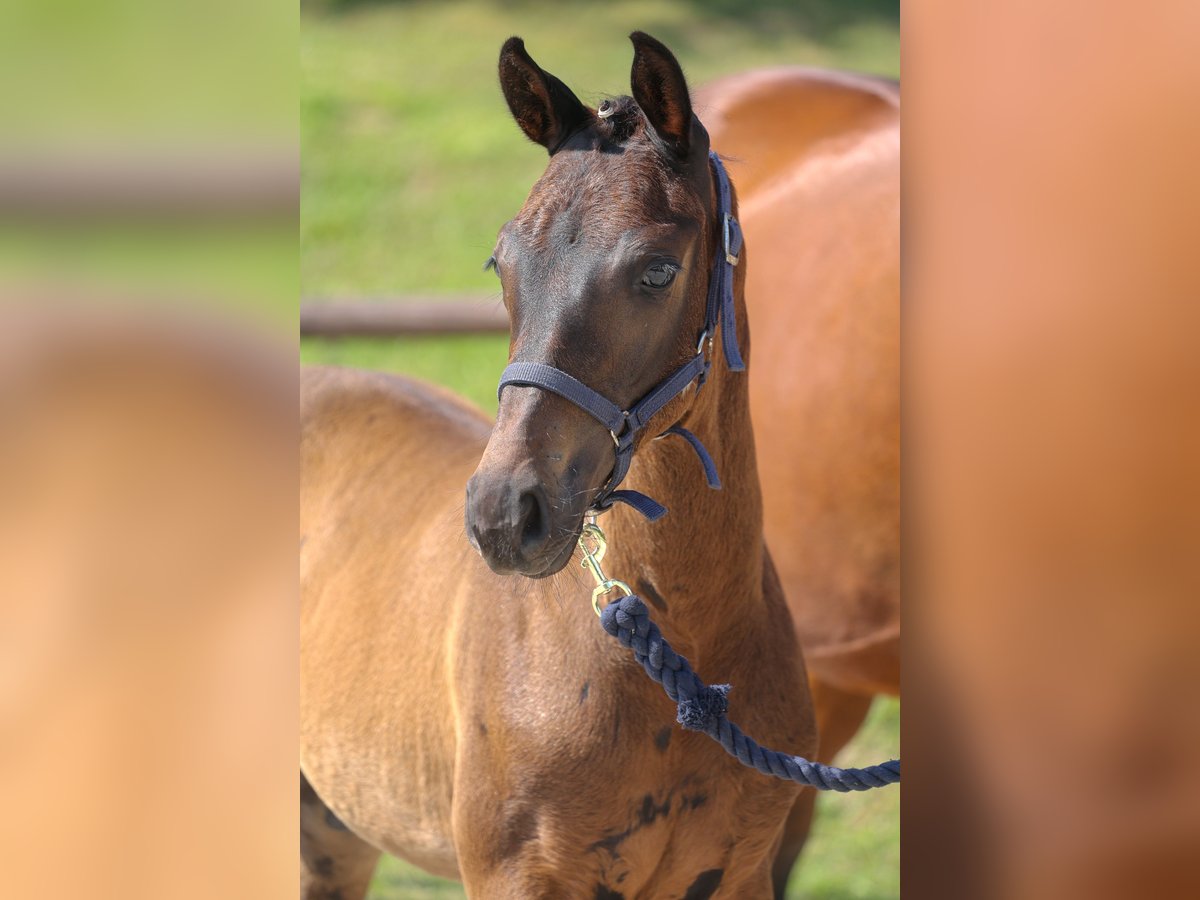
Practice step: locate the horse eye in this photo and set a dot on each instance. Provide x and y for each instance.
(659, 275)
(491, 264)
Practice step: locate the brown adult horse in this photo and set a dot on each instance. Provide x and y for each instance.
(479, 723)
(816, 158)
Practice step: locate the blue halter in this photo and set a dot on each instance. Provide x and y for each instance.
(625, 425)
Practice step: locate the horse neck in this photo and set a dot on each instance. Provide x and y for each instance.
(708, 550)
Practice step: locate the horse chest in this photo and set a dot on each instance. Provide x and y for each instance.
(623, 803)
(657, 834)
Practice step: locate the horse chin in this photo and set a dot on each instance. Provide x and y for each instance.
(557, 562)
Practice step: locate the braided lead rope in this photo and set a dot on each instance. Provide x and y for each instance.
(702, 708)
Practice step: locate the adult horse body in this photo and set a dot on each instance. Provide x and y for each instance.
(816, 158)
(480, 724)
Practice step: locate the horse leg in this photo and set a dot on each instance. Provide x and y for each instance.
(335, 864)
(839, 716)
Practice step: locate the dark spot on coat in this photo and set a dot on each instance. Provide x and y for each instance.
(323, 866)
(695, 801)
(649, 811)
(520, 827)
(334, 822)
(604, 893)
(482, 727)
(646, 815)
(583, 691)
(705, 885)
(611, 842)
(663, 739)
(647, 590)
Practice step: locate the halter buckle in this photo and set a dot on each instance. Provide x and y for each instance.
(728, 227)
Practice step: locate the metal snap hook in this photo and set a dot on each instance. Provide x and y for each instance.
(591, 561)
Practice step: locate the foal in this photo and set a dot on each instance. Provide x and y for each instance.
(463, 715)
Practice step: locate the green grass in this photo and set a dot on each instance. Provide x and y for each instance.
(469, 364)
(410, 160)
(854, 853)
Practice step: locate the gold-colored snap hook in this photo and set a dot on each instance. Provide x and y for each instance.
(602, 589)
(593, 545)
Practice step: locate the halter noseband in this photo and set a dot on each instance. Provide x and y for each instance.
(625, 425)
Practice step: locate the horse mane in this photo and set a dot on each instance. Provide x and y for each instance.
(625, 122)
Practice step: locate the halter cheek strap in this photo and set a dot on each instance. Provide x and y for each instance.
(626, 425)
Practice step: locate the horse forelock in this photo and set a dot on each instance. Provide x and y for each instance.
(611, 177)
(620, 120)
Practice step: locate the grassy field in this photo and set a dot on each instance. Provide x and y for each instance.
(410, 160)
(411, 163)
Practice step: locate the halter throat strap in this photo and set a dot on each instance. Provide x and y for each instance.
(626, 425)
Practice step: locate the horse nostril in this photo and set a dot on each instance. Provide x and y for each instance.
(532, 521)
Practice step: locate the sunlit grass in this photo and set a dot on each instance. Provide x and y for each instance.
(411, 162)
(469, 364)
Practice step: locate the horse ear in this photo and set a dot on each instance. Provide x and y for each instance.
(661, 91)
(543, 106)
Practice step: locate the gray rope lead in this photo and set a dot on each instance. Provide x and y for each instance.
(702, 708)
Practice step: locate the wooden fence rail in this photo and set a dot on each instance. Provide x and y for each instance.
(399, 316)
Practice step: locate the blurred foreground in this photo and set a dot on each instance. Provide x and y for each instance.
(148, 619)
(148, 200)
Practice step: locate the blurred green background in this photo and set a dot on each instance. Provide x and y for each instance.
(410, 160)
(111, 111)
(411, 163)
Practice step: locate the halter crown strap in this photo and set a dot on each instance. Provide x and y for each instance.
(625, 425)
(720, 286)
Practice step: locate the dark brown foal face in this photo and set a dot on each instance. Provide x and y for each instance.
(605, 272)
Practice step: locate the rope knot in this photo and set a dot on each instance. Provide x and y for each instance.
(702, 712)
(628, 615)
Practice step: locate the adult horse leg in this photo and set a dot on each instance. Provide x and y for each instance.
(335, 864)
(839, 716)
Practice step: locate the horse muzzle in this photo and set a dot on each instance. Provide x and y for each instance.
(511, 523)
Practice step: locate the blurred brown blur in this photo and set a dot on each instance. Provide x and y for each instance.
(1052, 293)
(148, 687)
(148, 622)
